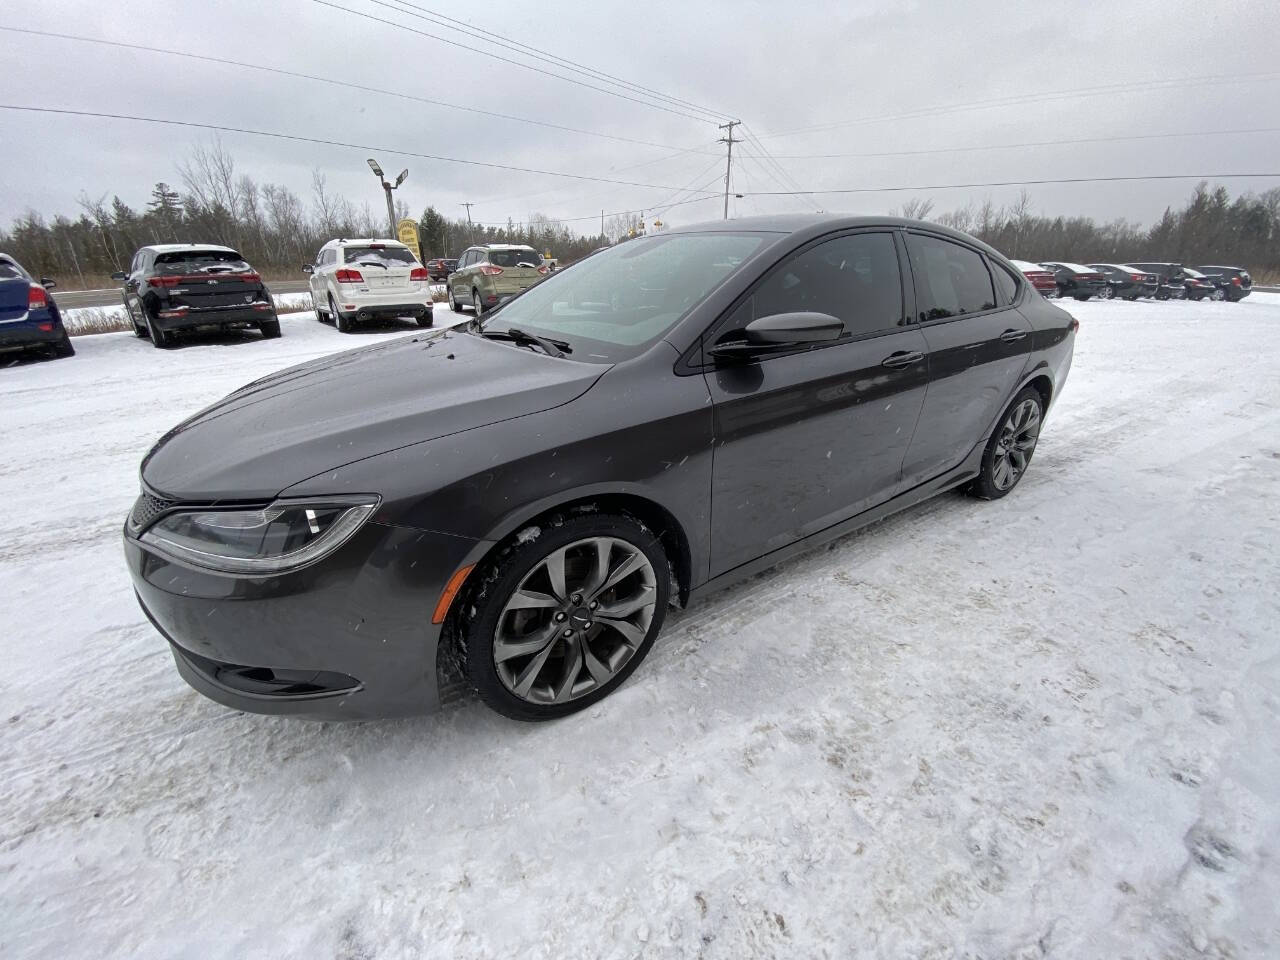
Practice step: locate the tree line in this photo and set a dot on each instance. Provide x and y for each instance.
(277, 231)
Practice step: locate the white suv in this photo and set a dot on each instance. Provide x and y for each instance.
(357, 280)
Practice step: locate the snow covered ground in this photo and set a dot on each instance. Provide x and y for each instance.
(1045, 726)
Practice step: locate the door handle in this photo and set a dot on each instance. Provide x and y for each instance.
(902, 358)
(1011, 335)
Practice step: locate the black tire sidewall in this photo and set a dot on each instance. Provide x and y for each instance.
(500, 579)
(984, 486)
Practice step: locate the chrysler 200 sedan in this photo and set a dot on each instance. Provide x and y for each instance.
(522, 499)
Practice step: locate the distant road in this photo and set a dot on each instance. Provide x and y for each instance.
(110, 297)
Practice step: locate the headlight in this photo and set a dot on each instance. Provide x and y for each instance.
(284, 536)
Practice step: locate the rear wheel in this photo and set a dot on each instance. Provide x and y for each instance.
(562, 618)
(477, 304)
(270, 329)
(1011, 446)
(340, 320)
(1219, 294)
(425, 319)
(63, 347)
(1107, 293)
(453, 303)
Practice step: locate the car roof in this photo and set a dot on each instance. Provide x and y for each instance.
(501, 246)
(1217, 266)
(806, 225)
(177, 247)
(356, 241)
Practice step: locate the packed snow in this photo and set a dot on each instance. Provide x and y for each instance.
(1043, 726)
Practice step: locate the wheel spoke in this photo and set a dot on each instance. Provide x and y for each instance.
(644, 597)
(505, 650)
(531, 600)
(627, 567)
(600, 571)
(1001, 473)
(572, 667)
(555, 572)
(524, 682)
(599, 672)
(632, 634)
(1018, 459)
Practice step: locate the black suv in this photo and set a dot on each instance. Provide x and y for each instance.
(1231, 283)
(184, 286)
(1169, 279)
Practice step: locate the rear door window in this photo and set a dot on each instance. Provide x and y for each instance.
(951, 280)
(1006, 283)
(11, 271)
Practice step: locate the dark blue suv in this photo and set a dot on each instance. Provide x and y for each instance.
(29, 319)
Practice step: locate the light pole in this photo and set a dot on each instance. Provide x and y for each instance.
(387, 188)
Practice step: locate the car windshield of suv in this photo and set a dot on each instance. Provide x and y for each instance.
(200, 261)
(523, 257)
(378, 255)
(614, 304)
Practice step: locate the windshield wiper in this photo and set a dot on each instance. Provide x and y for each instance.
(554, 348)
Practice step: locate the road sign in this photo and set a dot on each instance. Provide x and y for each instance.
(407, 233)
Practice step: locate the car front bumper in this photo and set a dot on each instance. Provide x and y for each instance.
(349, 637)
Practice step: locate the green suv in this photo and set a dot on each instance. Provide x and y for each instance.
(490, 273)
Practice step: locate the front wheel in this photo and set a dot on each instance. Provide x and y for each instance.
(139, 329)
(453, 303)
(1010, 448)
(562, 617)
(1219, 295)
(477, 304)
(160, 339)
(1107, 293)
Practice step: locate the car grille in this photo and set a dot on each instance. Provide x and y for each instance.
(146, 511)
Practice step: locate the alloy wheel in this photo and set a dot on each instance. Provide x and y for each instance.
(575, 620)
(1017, 441)
(1108, 292)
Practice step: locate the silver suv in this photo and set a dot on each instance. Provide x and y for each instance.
(357, 280)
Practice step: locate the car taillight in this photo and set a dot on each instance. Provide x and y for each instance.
(1236, 281)
(163, 281)
(489, 270)
(419, 275)
(348, 276)
(543, 268)
(249, 277)
(37, 299)
(1135, 277)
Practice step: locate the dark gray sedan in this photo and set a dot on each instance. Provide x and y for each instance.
(521, 500)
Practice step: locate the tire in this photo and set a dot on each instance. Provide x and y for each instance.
(557, 685)
(426, 319)
(63, 347)
(1219, 294)
(340, 320)
(477, 304)
(454, 307)
(1108, 293)
(1020, 422)
(1132, 298)
(139, 329)
(160, 339)
(270, 329)
(1083, 297)
(321, 315)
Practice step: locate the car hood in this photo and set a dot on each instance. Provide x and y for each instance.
(301, 421)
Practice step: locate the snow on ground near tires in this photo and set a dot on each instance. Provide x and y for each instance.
(1040, 726)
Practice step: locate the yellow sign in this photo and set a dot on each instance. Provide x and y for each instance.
(407, 233)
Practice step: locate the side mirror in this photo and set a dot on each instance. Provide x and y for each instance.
(119, 275)
(781, 331)
(48, 283)
(308, 268)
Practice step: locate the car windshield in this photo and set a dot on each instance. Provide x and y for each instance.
(379, 255)
(1195, 274)
(615, 303)
(200, 261)
(522, 257)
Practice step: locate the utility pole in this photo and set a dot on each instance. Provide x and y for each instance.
(728, 165)
(387, 188)
(471, 231)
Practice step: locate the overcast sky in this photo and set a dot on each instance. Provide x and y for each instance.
(778, 66)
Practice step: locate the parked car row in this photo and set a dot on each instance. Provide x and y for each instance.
(1129, 281)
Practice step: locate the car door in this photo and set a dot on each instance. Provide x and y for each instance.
(316, 281)
(811, 437)
(978, 344)
(458, 280)
(135, 283)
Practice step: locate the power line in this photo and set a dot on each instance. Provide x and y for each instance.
(1023, 99)
(494, 56)
(328, 143)
(488, 36)
(330, 80)
(786, 178)
(1024, 183)
(1030, 143)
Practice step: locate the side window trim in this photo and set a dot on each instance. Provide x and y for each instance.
(962, 316)
(696, 361)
